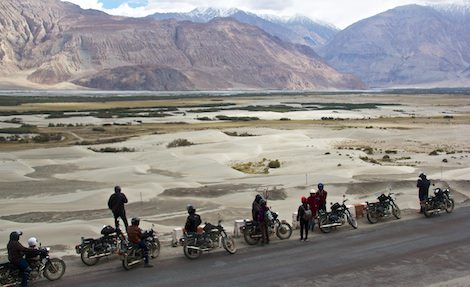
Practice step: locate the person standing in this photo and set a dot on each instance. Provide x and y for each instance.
(262, 219)
(312, 203)
(321, 197)
(423, 190)
(116, 204)
(304, 215)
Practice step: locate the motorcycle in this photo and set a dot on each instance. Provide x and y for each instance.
(338, 216)
(41, 266)
(213, 236)
(131, 254)
(252, 232)
(439, 202)
(385, 207)
(91, 249)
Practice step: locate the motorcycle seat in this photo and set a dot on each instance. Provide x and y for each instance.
(8, 265)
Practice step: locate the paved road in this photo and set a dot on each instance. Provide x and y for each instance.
(417, 252)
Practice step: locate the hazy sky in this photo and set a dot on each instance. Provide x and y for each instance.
(340, 13)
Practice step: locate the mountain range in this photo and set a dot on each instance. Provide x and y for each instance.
(55, 44)
(406, 46)
(49, 42)
(298, 29)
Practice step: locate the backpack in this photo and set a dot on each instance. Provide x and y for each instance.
(307, 213)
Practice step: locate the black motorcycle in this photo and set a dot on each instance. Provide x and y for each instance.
(252, 232)
(132, 254)
(213, 236)
(41, 266)
(338, 216)
(439, 202)
(385, 207)
(92, 249)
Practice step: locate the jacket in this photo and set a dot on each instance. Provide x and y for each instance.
(16, 251)
(301, 211)
(134, 233)
(192, 222)
(116, 202)
(313, 204)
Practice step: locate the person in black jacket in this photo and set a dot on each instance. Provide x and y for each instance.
(193, 220)
(16, 256)
(116, 204)
(423, 190)
(255, 207)
(304, 215)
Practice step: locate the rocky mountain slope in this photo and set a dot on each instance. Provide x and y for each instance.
(49, 42)
(299, 30)
(406, 46)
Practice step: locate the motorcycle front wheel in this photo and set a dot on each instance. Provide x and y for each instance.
(372, 217)
(351, 220)
(229, 244)
(283, 230)
(191, 253)
(54, 269)
(396, 211)
(449, 205)
(154, 248)
(250, 240)
(324, 221)
(85, 256)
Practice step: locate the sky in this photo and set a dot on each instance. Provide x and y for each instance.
(340, 13)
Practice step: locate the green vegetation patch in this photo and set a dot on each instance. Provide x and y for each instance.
(260, 167)
(179, 143)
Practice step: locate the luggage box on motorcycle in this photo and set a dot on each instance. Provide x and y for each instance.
(107, 230)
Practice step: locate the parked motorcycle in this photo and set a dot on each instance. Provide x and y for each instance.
(385, 207)
(213, 236)
(132, 254)
(91, 249)
(338, 216)
(439, 202)
(252, 232)
(41, 266)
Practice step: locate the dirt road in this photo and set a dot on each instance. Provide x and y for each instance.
(418, 252)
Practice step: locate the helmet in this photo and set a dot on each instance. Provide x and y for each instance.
(117, 188)
(15, 235)
(190, 208)
(303, 199)
(312, 190)
(320, 186)
(422, 175)
(32, 242)
(135, 221)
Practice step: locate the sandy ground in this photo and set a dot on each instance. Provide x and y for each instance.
(60, 194)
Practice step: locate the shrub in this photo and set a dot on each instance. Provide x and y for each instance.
(434, 152)
(284, 119)
(274, 164)
(179, 142)
(386, 158)
(391, 151)
(98, 129)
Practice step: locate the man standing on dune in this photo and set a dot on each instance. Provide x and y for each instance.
(116, 204)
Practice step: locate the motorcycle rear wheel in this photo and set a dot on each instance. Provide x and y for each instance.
(85, 256)
(372, 217)
(191, 253)
(249, 239)
(450, 205)
(229, 244)
(284, 230)
(322, 221)
(54, 269)
(396, 211)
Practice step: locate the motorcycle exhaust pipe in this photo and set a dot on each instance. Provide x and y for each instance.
(99, 256)
(198, 248)
(331, 225)
(434, 210)
(135, 262)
